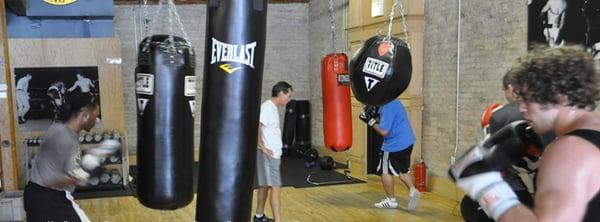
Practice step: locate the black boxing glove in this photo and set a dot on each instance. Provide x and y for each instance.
(369, 115)
(477, 172)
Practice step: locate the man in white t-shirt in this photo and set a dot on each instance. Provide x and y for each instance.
(268, 159)
(23, 97)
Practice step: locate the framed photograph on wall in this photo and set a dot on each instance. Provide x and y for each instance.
(560, 22)
(40, 92)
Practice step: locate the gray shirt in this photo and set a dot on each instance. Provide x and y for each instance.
(58, 154)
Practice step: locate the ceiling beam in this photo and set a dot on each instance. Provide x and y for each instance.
(183, 2)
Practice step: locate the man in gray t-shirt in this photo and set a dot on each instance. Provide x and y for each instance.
(57, 166)
(57, 155)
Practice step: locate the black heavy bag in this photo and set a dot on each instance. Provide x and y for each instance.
(289, 127)
(380, 71)
(165, 89)
(233, 70)
(303, 126)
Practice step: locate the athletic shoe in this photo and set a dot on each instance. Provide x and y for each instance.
(387, 203)
(262, 219)
(413, 199)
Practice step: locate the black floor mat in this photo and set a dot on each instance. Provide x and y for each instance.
(103, 191)
(293, 173)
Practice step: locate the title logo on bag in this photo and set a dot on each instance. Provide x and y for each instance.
(375, 67)
(225, 52)
(59, 2)
(370, 83)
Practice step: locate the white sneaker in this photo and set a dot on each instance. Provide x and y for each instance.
(413, 199)
(387, 203)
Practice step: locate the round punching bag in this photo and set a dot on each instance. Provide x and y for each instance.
(233, 69)
(380, 71)
(165, 88)
(337, 111)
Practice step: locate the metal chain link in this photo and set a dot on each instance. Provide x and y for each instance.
(155, 17)
(402, 17)
(179, 23)
(332, 25)
(172, 14)
(145, 20)
(391, 20)
(404, 24)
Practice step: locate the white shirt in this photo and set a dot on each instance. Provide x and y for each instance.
(271, 130)
(23, 84)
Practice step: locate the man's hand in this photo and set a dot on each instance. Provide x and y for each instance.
(267, 151)
(368, 115)
(79, 176)
(95, 156)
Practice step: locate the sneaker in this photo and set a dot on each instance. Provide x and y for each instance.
(413, 199)
(387, 203)
(262, 219)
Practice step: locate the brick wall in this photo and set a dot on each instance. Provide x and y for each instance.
(286, 51)
(494, 34)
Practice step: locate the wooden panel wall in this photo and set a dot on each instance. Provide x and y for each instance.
(361, 26)
(70, 53)
(8, 170)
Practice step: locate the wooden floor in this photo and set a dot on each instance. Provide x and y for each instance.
(328, 203)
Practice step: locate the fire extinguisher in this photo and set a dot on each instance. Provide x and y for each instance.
(421, 176)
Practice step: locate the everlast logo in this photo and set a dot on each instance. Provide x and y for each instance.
(59, 2)
(375, 67)
(224, 52)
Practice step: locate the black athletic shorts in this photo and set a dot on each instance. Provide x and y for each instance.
(45, 204)
(394, 163)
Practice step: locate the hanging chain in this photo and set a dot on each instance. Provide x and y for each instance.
(172, 14)
(145, 21)
(402, 17)
(404, 24)
(171, 39)
(155, 17)
(390, 22)
(179, 23)
(332, 25)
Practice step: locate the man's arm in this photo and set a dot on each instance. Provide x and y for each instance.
(379, 130)
(565, 183)
(73, 87)
(261, 145)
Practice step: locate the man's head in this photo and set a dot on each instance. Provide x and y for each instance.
(550, 78)
(281, 93)
(507, 86)
(28, 76)
(81, 111)
(79, 76)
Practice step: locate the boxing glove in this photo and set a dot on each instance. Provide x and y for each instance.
(95, 156)
(369, 115)
(79, 176)
(477, 171)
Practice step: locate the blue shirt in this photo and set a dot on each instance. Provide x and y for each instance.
(394, 120)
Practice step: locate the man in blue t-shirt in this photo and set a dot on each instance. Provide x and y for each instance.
(391, 122)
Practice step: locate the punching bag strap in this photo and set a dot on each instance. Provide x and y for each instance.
(404, 24)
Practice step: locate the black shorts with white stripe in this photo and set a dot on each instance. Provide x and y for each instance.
(394, 163)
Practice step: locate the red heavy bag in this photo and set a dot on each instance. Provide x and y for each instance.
(337, 112)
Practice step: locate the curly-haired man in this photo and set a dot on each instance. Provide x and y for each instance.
(558, 88)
